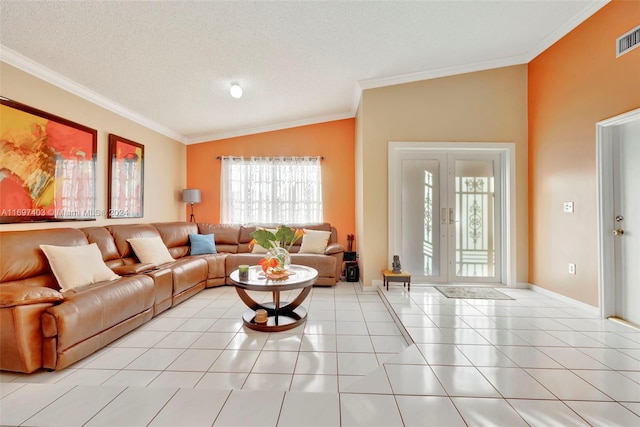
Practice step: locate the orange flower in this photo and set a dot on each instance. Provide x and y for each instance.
(252, 242)
(267, 263)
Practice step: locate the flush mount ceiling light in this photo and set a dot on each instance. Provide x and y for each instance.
(235, 90)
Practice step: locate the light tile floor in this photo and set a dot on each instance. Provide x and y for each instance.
(533, 361)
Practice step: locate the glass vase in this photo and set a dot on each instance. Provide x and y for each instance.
(282, 256)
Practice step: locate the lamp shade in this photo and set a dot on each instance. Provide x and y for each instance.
(191, 195)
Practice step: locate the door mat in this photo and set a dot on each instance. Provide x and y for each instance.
(470, 292)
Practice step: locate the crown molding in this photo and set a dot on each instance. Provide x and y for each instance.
(566, 28)
(441, 72)
(269, 128)
(29, 66)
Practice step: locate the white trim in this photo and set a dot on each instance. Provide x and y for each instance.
(566, 28)
(269, 128)
(605, 211)
(375, 284)
(40, 71)
(589, 308)
(439, 72)
(507, 150)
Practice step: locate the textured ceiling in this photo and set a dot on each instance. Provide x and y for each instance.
(169, 64)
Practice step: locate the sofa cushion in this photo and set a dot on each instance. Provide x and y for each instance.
(150, 250)
(76, 266)
(326, 265)
(314, 241)
(226, 234)
(187, 273)
(122, 232)
(95, 309)
(202, 244)
(105, 242)
(175, 236)
(21, 256)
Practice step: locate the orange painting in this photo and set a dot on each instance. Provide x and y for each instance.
(47, 166)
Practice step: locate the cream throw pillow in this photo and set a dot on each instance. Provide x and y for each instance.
(75, 266)
(150, 250)
(314, 241)
(257, 249)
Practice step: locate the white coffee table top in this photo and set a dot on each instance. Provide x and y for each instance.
(304, 276)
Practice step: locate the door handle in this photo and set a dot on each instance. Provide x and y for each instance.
(451, 221)
(618, 232)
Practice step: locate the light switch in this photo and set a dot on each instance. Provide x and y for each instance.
(568, 207)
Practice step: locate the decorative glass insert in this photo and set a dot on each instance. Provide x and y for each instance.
(475, 246)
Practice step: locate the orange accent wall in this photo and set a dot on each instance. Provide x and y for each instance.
(334, 140)
(572, 85)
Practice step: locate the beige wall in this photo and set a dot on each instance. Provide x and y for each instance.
(360, 238)
(165, 158)
(486, 106)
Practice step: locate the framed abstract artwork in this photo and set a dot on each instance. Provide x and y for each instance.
(126, 178)
(47, 166)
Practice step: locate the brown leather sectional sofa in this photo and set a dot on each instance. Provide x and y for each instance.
(42, 327)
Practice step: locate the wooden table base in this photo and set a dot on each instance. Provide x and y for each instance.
(282, 316)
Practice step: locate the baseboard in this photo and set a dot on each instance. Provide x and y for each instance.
(375, 284)
(589, 308)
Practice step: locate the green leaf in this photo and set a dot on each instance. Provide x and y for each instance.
(265, 238)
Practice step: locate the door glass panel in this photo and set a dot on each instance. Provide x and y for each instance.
(421, 217)
(475, 221)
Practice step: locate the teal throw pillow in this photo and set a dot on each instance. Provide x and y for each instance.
(202, 244)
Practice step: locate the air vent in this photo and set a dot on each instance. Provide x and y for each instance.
(628, 41)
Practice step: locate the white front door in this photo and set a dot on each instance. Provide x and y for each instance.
(450, 205)
(626, 220)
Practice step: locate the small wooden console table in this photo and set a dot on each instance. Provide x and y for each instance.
(390, 276)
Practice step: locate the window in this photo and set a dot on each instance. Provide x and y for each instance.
(273, 190)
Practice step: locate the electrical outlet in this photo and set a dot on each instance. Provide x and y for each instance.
(567, 207)
(572, 268)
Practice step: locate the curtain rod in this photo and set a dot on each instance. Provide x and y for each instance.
(321, 157)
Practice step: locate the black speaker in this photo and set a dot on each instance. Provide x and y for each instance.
(352, 272)
(349, 256)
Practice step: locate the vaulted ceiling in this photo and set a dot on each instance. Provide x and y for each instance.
(169, 64)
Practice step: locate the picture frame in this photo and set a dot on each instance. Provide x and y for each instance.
(47, 166)
(126, 178)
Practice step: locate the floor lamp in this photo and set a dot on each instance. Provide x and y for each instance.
(191, 196)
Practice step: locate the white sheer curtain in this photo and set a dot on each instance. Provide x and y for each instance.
(284, 190)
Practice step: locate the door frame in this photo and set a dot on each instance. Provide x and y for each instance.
(507, 153)
(605, 136)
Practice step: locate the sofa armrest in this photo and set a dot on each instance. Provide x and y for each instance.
(333, 248)
(129, 269)
(14, 295)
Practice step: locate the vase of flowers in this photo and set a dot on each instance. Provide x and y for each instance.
(278, 245)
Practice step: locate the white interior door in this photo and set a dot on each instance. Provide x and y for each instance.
(626, 220)
(450, 217)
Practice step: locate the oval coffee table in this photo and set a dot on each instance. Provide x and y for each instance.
(281, 315)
